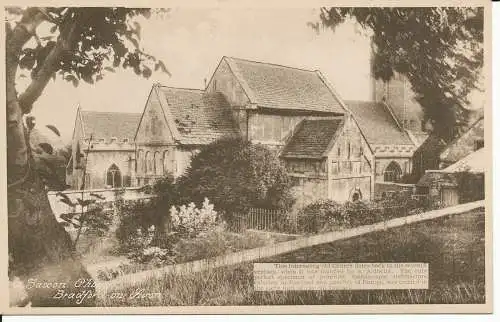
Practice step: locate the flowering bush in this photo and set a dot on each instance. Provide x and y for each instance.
(190, 221)
(143, 251)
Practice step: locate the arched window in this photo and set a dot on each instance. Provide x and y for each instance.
(114, 176)
(393, 172)
(151, 163)
(158, 164)
(147, 162)
(139, 161)
(166, 158)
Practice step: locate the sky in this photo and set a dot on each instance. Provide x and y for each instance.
(191, 42)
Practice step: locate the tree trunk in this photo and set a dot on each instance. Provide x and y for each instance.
(39, 248)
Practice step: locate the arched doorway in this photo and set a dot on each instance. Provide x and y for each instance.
(356, 195)
(114, 176)
(393, 172)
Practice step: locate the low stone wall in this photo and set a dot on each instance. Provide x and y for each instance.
(384, 187)
(277, 249)
(108, 195)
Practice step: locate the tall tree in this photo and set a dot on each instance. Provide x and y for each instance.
(439, 50)
(80, 44)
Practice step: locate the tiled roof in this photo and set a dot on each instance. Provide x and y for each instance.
(106, 125)
(281, 87)
(474, 162)
(464, 144)
(377, 123)
(200, 117)
(311, 138)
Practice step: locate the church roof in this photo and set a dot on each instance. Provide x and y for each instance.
(377, 123)
(280, 87)
(474, 162)
(312, 138)
(464, 144)
(200, 117)
(106, 125)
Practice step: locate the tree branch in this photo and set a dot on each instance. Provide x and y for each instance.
(49, 67)
(17, 152)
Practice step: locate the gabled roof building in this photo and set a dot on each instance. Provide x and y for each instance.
(332, 149)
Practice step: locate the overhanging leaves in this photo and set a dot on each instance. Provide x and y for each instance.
(439, 50)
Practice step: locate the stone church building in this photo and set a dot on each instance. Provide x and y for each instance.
(331, 148)
(103, 150)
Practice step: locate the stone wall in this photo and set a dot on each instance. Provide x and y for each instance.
(342, 190)
(224, 81)
(384, 187)
(99, 162)
(350, 164)
(58, 207)
(272, 129)
(309, 189)
(153, 128)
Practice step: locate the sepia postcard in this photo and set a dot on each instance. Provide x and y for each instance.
(239, 157)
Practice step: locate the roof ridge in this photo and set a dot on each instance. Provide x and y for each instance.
(182, 88)
(108, 112)
(272, 64)
(363, 101)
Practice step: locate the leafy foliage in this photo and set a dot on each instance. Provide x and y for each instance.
(79, 44)
(134, 215)
(143, 250)
(47, 162)
(90, 216)
(470, 186)
(327, 215)
(102, 39)
(236, 175)
(439, 49)
(314, 216)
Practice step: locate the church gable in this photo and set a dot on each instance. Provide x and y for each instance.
(153, 127)
(225, 81)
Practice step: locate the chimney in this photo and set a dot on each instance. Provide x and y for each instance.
(205, 81)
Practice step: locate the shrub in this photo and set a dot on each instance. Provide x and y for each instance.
(470, 186)
(190, 222)
(327, 215)
(166, 194)
(236, 175)
(141, 248)
(134, 215)
(313, 217)
(359, 213)
(142, 214)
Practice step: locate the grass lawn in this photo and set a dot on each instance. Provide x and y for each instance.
(453, 247)
(214, 243)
